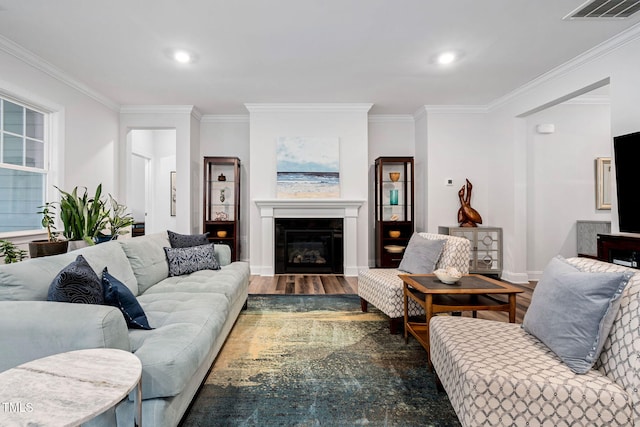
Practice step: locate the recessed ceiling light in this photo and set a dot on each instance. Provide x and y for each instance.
(446, 58)
(182, 56)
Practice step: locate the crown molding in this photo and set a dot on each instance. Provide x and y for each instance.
(590, 100)
(390, 118)
(160, 109)
(455, 109)
(38, 63)
(604, 48)
(308, 108)
(225, 118)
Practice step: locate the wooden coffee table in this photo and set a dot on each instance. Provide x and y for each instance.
(471, 293)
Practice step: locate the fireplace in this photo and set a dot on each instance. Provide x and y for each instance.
(309, 245)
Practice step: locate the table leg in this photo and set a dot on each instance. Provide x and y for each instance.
(428, 312)
(405, 292)
(138, 403)
(512, 308)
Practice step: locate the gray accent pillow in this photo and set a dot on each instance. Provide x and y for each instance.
(187, 240)
(188, 260)
(76, 283)
(572, 311)
(421, 255)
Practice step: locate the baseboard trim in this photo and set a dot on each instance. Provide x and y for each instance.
(516, 278)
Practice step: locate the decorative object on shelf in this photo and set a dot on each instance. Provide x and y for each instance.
(467, 216)
(173, 193)
(221, 201)
(603, 183)
(394, 233)
(393, 179)
(221, 216)
(448, 276)
(394, 249)
(393, 197)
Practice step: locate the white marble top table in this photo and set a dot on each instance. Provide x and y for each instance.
(67, 389)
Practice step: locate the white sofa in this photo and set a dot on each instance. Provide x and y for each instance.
(496, 374)
(383, 288)
(191, 315)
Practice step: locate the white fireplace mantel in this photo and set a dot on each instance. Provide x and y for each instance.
(309, 208)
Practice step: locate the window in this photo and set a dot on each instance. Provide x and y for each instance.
(23, 166)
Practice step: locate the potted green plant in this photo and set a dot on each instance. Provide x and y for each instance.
(52, 245)
(118, 220)
(10, 252)
(83, 217)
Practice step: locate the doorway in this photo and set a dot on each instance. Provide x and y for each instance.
(152, 159)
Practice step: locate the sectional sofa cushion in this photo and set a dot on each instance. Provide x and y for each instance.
(186, 240)
(421, 255)
(572, 311)
(118, 295)
(147, 258)
(31, 280)
(224, 281)
(76, 283)
(186, 326)
(191, 259)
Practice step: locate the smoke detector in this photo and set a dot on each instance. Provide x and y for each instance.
(605, 9)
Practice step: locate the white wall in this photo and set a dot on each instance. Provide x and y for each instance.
(84, 128)
(616, 63)
(228, 136)
(561, 178)
(347, 122)
(388, 136)
(457, 149)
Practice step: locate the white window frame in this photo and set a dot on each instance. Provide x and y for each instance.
(53, 166)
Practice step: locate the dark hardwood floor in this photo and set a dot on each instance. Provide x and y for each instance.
(333, 284)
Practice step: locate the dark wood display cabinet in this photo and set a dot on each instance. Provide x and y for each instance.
(222, 202)
(394, 178)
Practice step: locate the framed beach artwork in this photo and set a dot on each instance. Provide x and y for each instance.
(308, 168)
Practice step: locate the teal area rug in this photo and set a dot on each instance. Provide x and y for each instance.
(317, 360)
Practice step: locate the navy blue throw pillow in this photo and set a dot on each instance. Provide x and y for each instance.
(76, 283)
(118, 295)
(188, 260)
(187, 240)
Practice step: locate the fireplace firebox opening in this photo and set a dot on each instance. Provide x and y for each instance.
(309, 246)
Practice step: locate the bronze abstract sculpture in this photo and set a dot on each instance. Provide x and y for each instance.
(467, 216)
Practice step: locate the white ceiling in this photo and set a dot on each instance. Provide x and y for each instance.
(269, 51)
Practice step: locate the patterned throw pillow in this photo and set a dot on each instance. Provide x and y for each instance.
(76, 283)
(572, 311)
(187, 240)
(117, 294)
(421, 255)
(188, 260)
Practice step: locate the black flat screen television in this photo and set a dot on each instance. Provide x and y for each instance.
(626, 149)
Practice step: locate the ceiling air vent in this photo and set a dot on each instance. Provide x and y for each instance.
(605, 9)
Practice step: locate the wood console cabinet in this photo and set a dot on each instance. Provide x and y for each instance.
(394, 177)
(622, 249)
(221, 208)
(486, 247)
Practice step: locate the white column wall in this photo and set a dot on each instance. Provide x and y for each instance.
(348, 122)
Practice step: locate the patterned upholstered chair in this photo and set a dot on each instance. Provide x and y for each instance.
(383, 288)
(498, 375)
